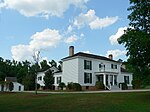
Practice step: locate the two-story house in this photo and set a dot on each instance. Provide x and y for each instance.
(86, 69)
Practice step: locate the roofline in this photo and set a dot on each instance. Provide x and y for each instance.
(81, 54)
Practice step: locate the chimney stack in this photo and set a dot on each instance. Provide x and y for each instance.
(71, 50)
(110, 56)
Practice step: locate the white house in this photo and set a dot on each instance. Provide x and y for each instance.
(16, 86)
(40, 76)
(86, 69)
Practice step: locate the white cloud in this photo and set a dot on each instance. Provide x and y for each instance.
(81, 35)
(39, 41)
(93, 21)
(45, 39)
(44, 8)
(71, 39)
(120, 32)
(21, 52)
(116, 53)
(99, 23)
(69, 28)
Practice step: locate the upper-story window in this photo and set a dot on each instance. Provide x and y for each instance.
(87, 64)
(113, 66)
(40, 78)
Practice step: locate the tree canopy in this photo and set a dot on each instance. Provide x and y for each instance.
(136, 39)
(24, 71)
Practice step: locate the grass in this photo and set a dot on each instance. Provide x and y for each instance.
(98, 102)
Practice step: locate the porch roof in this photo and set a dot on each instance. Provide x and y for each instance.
(99, 73)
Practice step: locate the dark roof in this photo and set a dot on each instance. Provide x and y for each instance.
(11, 79)
(90, 56)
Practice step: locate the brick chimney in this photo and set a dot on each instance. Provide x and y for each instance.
(71, 50)
(110, 56)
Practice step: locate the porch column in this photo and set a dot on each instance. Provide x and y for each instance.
(113, 82)
(108, 79)
(104, 79)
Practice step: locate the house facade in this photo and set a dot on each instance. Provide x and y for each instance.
(16, 86)
(86, 69)
(55, 71)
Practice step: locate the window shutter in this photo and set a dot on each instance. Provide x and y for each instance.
(84, 64)
(90, 65)
(90, 77)
(112, 66)
(84, 77)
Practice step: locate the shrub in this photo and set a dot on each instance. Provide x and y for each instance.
(62, 85)
(123, 86)
(74, 86)
(11, 86)
(99, 85)
(136, 84)
(38, 86)
(70, 86)
(77, 87)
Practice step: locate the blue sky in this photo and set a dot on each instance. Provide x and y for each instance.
(51, 26)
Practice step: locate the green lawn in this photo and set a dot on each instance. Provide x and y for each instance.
(99, 102)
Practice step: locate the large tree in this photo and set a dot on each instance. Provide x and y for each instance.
(136, 39)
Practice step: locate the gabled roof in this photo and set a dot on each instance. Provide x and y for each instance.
(89, 56)
(11, 79)
(53, 69)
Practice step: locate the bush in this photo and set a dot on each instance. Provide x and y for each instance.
(11, 86)
(70, 86)
(99, 85)
(136, 84)
(123, 86)
(77, 87)
(74, 86)
(62, 85)
(38, 86)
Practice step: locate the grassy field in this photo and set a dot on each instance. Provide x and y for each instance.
(100, 102)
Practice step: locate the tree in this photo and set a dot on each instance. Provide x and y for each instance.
(29, 82)
(44, 65)
(49, 79)
(136, 40)
(11, 86)
(53, 63)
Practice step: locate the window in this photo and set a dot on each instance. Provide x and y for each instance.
(19, 88)
(87, 77)
(87, 64)
(100, 65)
(113, 66)
(40, 78)
(126, 79)
(58, 80)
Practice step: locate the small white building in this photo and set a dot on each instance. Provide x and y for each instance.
(16, 86)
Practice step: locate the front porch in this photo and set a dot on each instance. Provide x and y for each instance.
(109, 80)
